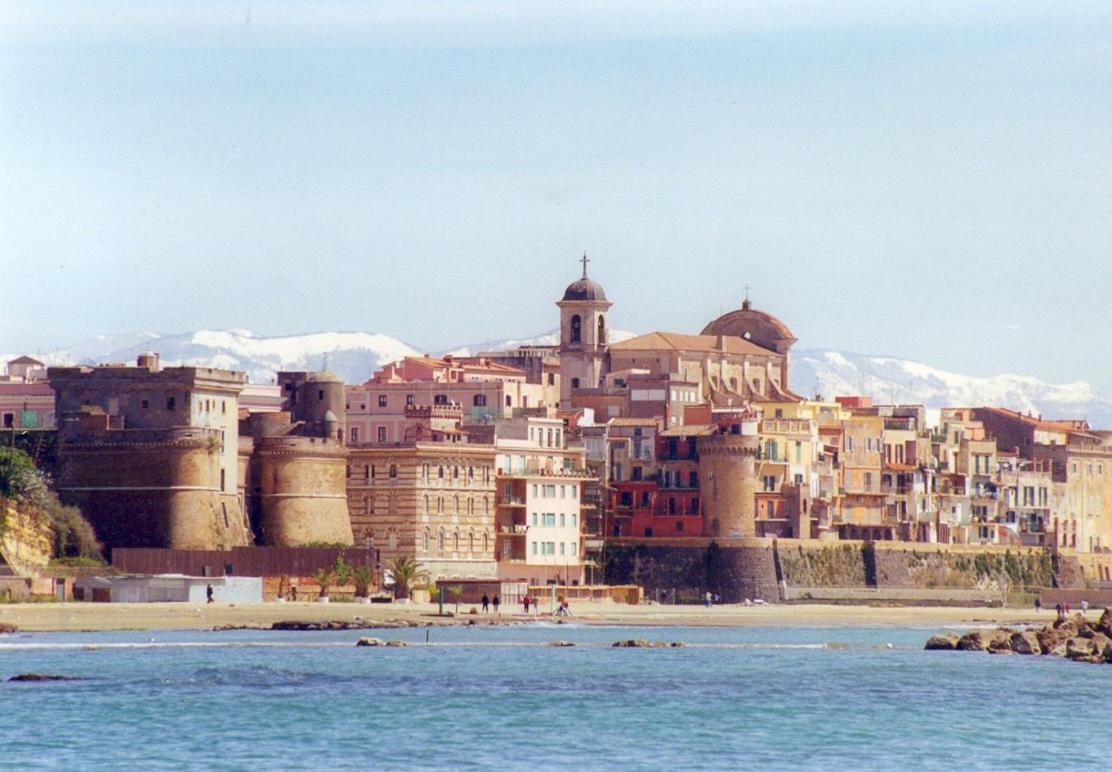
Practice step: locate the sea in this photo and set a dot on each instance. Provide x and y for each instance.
(504, 697)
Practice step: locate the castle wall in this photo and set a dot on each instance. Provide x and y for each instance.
(153, 489)
(301, 491)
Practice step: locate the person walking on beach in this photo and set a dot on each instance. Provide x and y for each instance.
(497, 602)
(208, 594)
(486, 603)
(525, 602)
(1038, 604)
(709, 599)
(1058, 608)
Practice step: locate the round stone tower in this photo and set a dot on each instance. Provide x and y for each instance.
(302, 491)
(728, 480)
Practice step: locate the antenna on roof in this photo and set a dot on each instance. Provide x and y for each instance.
(745, 304)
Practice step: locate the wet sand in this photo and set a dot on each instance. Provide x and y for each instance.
(71, 617)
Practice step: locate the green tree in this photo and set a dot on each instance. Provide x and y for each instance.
(324, 577)
(341, 570)
(455, 591)
(407, 572)
(362, 577)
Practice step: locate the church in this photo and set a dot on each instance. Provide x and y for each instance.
(739, 358)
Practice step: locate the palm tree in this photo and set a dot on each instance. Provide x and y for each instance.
(362, 577)
(407, 572)
(324, 578)
(455, 591)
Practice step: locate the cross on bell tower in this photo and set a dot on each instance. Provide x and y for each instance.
(585, 260)
(745, 304)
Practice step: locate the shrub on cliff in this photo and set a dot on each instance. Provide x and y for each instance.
(26, 486)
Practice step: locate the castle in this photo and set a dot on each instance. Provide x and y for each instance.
(165, 457)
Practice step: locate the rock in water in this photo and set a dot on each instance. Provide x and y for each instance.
(947, 642)
(563, 644)
(974, 640)
(29, 677)
(1026, 642)
(370, 642)
(397, 644)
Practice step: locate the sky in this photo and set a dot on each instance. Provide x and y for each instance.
(931, 181)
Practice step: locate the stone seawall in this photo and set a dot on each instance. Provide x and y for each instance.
(755, 568)
(735, 570)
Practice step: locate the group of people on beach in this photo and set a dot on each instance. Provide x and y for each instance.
(527, 603)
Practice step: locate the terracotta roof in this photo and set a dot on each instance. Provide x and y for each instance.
(1038, 423)
(36, 389)
(632, 422)
(691, 430)
(675, 341)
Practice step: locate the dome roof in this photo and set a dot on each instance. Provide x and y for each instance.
(760, 327)
(324, 376)
(583, 288)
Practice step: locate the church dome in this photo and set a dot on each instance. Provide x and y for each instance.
(760, 327)
(583, 288)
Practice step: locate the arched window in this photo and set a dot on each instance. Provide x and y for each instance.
(455, 541)
(509, 401)
(440, 540)
(486, 542)
(601, 330)
(479, 400)
(457, 504)
(576, 329)
(470, 541)
(392, 539)
(424, 540)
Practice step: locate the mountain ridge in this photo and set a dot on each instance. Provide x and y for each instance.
(356, 355)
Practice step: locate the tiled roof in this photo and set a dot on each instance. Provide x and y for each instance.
(675, 341)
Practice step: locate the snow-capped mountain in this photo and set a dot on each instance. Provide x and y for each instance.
(892, 379)
(356, 355)
(550, 338)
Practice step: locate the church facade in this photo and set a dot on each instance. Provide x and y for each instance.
(739, 358)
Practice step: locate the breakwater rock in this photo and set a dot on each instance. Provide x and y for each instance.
(1075, 638)
(641, 643)
(35, 677)
(342, 624)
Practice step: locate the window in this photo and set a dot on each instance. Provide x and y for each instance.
(769, 483)
(549, 519)
(382, 434)
(409, 399)
(171, 404)
(355, 434)
(146, 403)
(393, 471)
(771, 450)
(440, 399)
(576, 330)
(534, 518)
(534, 548)
(572, 516)
(798, 452)
(575, 383)
(679, 526)
(382, 400)
(601, 331)
(561, 548)
(509, 401)
(562, 520)
(479, 400)
(440, 472)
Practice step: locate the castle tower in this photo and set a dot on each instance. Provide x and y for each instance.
(728, 478)
(299, 464)
(584, 332)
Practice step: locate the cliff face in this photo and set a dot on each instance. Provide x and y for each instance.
(25, 539)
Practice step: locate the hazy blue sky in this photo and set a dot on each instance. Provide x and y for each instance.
(890, 178)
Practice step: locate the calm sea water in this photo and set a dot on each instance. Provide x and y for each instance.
(486, 697)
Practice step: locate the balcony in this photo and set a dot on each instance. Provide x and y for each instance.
(512, 501)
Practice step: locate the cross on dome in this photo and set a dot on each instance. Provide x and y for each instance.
(585, 260)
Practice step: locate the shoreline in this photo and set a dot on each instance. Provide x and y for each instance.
(104, 617)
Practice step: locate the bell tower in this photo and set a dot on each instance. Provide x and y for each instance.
(584, 332)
